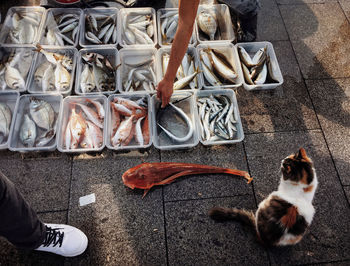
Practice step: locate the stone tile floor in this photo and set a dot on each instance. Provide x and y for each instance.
(171, 226)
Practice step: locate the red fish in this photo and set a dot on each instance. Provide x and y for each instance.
(147, 175)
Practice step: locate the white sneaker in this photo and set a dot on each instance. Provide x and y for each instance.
(64, 240)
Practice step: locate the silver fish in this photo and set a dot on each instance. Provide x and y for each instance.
(13, 78)
(42, 113)
(62, 77)
(87, 82)
(207, 23)
(27, 132)
(5, 121)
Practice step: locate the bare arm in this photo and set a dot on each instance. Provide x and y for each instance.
(187, 16)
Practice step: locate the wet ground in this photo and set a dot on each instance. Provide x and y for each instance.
(170, 226)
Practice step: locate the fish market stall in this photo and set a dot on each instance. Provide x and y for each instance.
(36, 123)
(8, 106)
(83, 124)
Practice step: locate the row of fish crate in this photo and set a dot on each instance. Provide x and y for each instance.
(127, 27)
(137, 70)
(41, 122)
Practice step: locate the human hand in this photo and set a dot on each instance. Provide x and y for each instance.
(164, 91)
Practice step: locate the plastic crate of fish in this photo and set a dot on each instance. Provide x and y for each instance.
(138, 26)
(259, 66)
(220, 66)
(8, 105)
(22, 26)
(83, 124)
(138, 71)
(15, 68)
(99, 27)
(36, 123)
(129, 122)
(213, 24)
(61, 27)
(167, 22)
(173, 127)
(217, 117)
(97, 71)
(53, 71)
(188, 76)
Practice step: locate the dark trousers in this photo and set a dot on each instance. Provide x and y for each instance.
(18, 221)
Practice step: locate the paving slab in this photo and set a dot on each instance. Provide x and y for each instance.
(270, 23)
(285, 108)
(345, 4)
(204, 186)
(10, 255)
(347, 192)
(331, 99)
(124, 228)
(195, 239)
(300, 2)
(43, 182)
(320, 35)
(327, 239)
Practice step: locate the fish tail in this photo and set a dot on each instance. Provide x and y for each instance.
(239, 173)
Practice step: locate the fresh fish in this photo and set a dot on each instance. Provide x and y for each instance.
(92, 38)
(47, 83)
(87, 82)
(62, 77)
(76, 126)
(99, 108)
(45, 138)
(13, 78)
(245, 57)
(145, 131)
(124, 131)
(70, 27)
(210, 76)
(27, 132)
(91, 115)
(40, 71)
(115, 119)
(42, 113)
(223, 69)
(185, 81)
(138, 132)
(5, 121)
(261, 78)
(93, 137)
(146, 175)
(100, 78)
(207, 23)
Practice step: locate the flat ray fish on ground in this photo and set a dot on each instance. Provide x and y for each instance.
(5, 122)
(98, 73)
(39, 123)
(85, 125)
(258, 69)
(129, 120)
(100, 28)
(61, 29)
(138, 28)
(54, 72)
(14, 68)
(217, 118)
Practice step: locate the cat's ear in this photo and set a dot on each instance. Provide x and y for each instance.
(301, 154)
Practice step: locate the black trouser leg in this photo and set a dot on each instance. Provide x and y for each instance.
(18, 221)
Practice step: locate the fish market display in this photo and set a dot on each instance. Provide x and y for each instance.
(14, 68)
(217, 69)
(186, 74)
(258, 69)
(138, 76)
(178, 115)
(146, 175)
(98, 73)
(208, 25)
(61, 29)
(38, 126)
(54, 72)
(138, 28)
(84, 127)
(129, 122)
(24, 26)
(100, 28)
(5, 122)
(217, 118)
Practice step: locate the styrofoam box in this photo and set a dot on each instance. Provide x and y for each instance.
(230, 51)
(8, 25)
(224, 24)
(15, 143)
(113, 56)
(109, 11)
(29, 53)
(133, 144)
(132, 12)
(11, 100)
(232, 96)
(160, 139)
(40, 59)
(135, 55)
(252, 48)
(68, 105)
(50, 22)
(192, 52)
(163, 11)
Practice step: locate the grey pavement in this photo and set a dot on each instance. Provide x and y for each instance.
(170, 226)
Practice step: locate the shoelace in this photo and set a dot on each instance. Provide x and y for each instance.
(53, 236)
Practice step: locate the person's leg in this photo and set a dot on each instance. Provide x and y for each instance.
(19, 222)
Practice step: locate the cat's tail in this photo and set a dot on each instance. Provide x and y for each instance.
(245, 217)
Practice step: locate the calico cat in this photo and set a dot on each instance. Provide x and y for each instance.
(285, 215)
